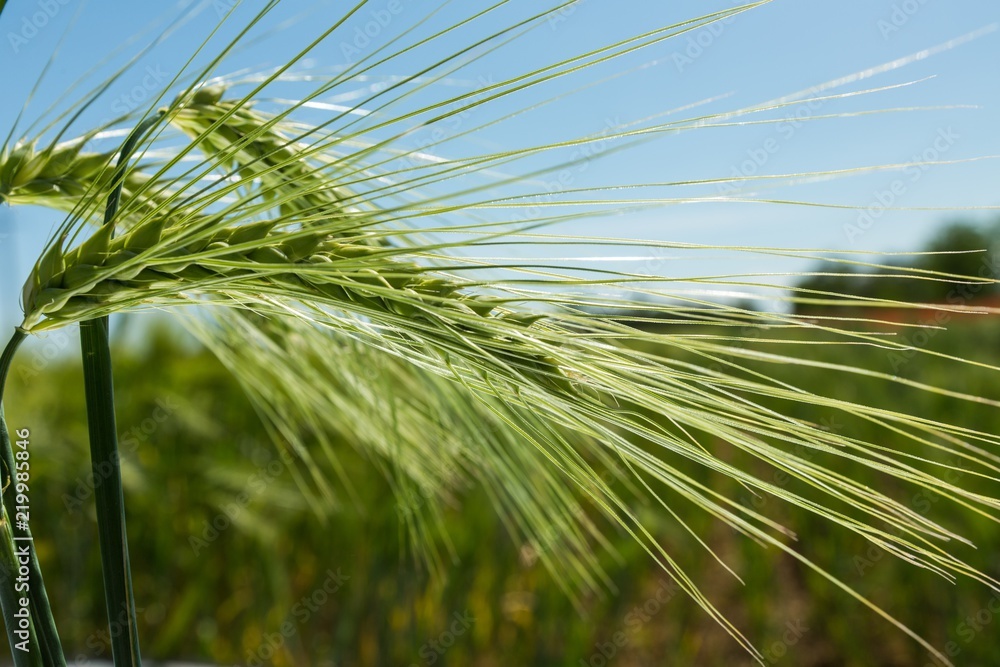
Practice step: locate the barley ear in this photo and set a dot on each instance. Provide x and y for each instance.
(51, 264)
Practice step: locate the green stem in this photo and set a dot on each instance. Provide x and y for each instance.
(42, 621)
(104, 456)
(8, 561)
(9, 603)
(108, 491)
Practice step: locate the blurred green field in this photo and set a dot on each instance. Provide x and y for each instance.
(272, 583)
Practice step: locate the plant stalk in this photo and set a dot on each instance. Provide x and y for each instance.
(42, 622)
(101, 422)
(9, 603)
(108, 493)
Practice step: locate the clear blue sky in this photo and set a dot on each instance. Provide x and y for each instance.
(784, 47)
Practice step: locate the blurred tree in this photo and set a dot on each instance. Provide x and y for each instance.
(960, 248)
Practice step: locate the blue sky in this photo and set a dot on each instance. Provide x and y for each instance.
(772, 51)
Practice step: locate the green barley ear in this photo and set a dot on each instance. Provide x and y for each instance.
(264, 151)
(58, 176)
(25, 164)
(582, 372)
(146, 235)
(207, 96)
(320, 253)
(51, 264)
(96, 249)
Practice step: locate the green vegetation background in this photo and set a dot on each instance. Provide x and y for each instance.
(248, 590)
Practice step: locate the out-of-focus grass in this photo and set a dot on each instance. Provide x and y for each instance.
(251, 588)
